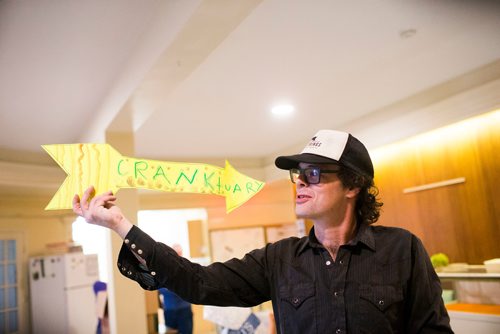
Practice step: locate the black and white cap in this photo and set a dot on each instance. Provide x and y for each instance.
(330, 146)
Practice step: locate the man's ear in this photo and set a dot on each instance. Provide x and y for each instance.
(353, 192)
(356, 187)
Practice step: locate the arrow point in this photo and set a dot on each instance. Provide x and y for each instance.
(241, 187)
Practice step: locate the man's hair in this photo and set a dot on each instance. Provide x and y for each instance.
(367, 204)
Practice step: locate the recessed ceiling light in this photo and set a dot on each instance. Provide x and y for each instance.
(282, 110)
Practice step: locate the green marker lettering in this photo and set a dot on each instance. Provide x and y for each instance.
(119, 164)
(139, 166)
(160, 172)
(260, 185)
(207, 180)
(218, 186)
(236, 188)
(190, 181)
(249, 187)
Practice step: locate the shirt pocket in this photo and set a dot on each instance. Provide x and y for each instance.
(297, 308)
(382, 307)
(381, 296)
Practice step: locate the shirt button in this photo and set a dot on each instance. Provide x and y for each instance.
(328, 263)
(338, 331)
(381, 302)
(336, 294)
(295, 301)
(126, 241)
(153, 273)
(123, 268)
(133, 246)
(139, 251)
(129, 273)
(341, 261)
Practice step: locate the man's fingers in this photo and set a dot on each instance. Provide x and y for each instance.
(102, 199)
(76, 205)
(109, 204)
(93, 208)
(89, 193)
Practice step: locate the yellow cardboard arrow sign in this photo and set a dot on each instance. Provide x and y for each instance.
(103, 167)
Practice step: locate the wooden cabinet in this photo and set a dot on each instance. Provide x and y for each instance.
(459, 219)
(476, 301)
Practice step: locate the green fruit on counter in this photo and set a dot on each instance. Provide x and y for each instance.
(439, 260)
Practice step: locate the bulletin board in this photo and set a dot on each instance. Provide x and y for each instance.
(276, 233)
(230, 243)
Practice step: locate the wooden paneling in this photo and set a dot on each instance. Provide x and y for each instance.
(196, 244)
(461, 220)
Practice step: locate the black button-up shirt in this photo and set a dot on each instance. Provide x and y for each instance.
(381, 282)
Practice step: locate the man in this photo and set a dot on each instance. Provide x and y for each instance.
(176, 311)
(347, 276)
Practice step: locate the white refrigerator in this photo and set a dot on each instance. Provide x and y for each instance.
(62, 295)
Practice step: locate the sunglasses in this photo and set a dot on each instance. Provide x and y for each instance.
(312, 175)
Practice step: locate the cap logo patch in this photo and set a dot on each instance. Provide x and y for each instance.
(314, 143)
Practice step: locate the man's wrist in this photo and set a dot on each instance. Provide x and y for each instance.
(123, 227)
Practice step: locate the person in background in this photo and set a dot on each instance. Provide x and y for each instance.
(177, 312)
(346, 276)
(101, 307)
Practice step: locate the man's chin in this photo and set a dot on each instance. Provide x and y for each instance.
(301, 214)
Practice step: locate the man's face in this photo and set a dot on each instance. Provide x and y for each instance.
(326, 200)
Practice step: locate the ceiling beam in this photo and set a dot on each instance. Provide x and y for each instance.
(206, 29)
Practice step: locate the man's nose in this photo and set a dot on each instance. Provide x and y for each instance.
(301, 181)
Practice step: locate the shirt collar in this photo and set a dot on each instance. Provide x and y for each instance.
(364, 236)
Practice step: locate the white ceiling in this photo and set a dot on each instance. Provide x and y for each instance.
(195, 79)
